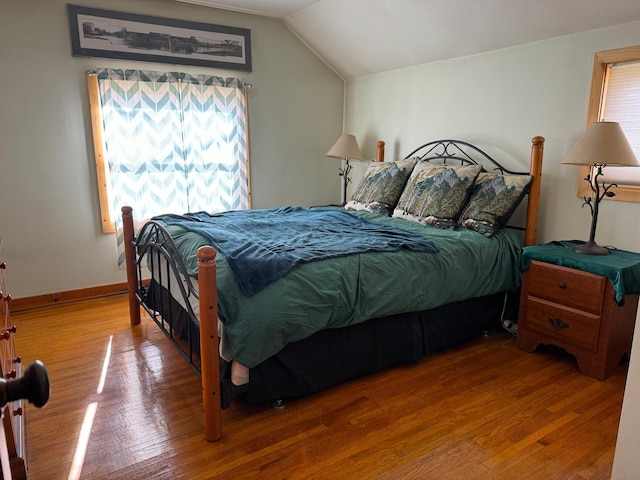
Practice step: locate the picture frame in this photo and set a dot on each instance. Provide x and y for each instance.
(104, 33)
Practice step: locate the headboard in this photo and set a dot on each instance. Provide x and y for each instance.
(464, 153)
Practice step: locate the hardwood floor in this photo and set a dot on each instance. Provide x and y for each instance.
(485, 410)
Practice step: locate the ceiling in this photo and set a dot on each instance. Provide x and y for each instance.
(363, 37)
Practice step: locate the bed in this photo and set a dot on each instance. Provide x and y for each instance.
(439, 261)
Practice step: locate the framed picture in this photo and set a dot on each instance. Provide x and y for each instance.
(127, 36)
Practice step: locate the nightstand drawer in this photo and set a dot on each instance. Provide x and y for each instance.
(564, 325)
(573, 288)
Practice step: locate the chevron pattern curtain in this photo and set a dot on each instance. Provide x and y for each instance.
(173, 143)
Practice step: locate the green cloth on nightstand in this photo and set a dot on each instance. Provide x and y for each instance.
(621, 267)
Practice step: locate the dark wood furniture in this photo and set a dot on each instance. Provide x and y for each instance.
(575, 310)
(10, 368)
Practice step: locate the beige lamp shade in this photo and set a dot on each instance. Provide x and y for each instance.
(602, 143)
(345, 147)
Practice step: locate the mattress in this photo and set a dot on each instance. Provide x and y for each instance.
(339, 292)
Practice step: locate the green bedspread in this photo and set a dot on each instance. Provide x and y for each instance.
(262, 246)
(342, 291)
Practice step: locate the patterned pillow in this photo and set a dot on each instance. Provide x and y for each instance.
(436, 194)
(381, 186)
(493, 200)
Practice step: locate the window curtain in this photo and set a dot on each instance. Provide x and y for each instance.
(621, 104)
(173, 143)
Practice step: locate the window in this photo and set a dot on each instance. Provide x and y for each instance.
(615, 96)
(168, 143)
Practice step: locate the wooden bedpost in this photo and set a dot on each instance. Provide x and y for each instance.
(130, 263)
(380, 151)
(533, 206)
(209, 341)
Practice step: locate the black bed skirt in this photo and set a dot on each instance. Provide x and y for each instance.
(332, 356)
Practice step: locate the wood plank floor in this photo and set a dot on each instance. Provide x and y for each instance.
(485, 410)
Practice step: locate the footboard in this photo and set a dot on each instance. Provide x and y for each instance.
(155, 248)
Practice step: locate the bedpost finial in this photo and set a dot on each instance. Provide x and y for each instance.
(380, 151)
(206, 254)
(537, 140)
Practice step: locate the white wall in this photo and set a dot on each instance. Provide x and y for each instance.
(49, 213)
(500, 100)
(626, 465)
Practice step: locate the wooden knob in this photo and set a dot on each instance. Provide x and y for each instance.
(33, 386)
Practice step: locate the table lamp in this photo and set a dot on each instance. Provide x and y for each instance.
(346, 147)
(602, 144)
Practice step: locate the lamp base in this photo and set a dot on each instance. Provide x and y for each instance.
(591, 248)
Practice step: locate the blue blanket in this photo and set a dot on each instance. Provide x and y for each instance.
(262, 246)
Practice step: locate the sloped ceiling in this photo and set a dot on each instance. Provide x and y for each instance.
(363, 37)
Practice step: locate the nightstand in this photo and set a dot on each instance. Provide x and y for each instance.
(582, 303)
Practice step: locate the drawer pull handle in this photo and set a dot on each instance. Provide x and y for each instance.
(558, 324)
(562, 285)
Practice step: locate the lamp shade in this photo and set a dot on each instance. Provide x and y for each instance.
(602, 143)
(345, 147)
